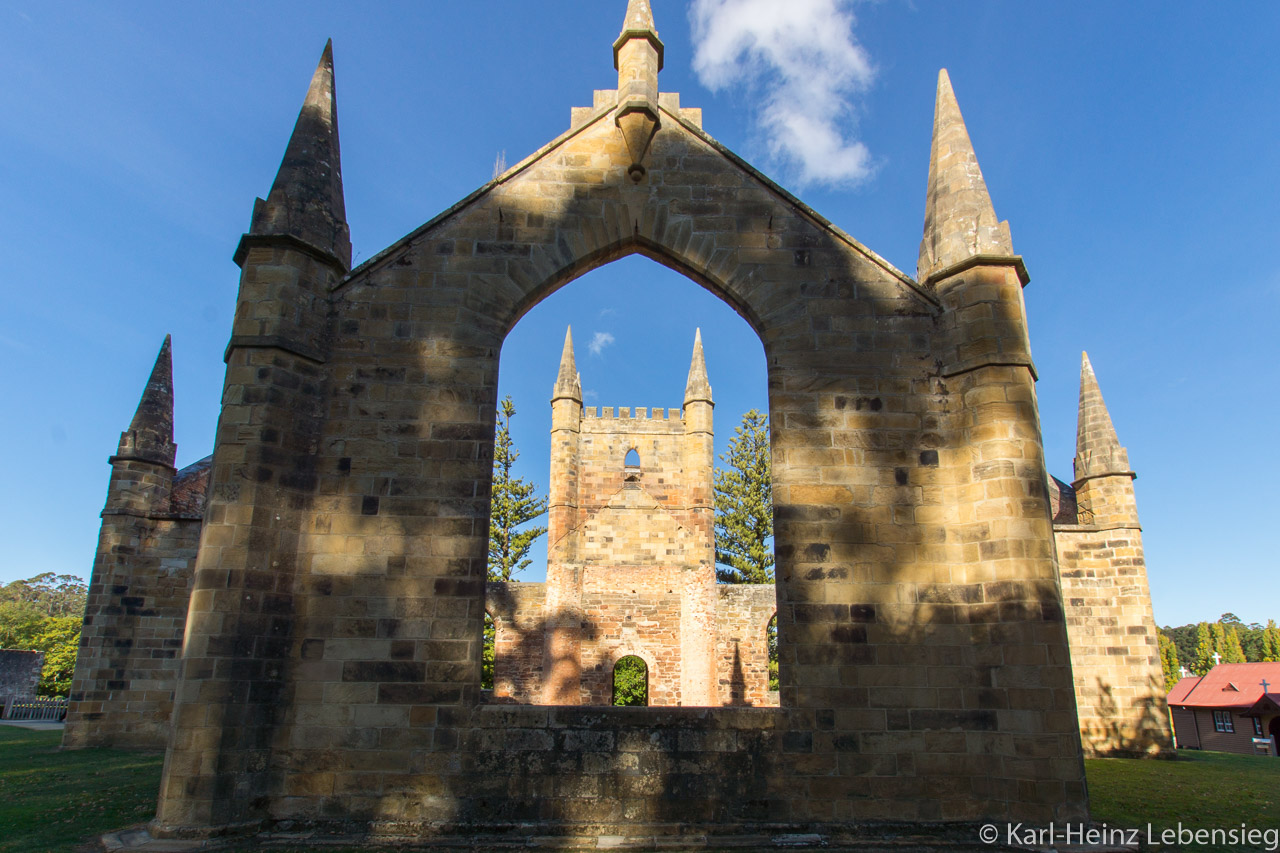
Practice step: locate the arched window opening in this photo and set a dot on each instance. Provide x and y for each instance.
(771, 642)
(630, 682)
(631, 331)
(487, 655)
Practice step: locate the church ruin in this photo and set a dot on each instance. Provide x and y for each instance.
(305, 637)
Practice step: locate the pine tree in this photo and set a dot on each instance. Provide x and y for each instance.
(1271, 643)
(1232, 652)
(1204, 650)
(1169, 661)
(514, 503)
(744, 505)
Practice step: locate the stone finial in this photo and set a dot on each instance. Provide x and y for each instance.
(698, 388)
(568, 381)
(959, 220)
(637, 54)
(150, 434)
(638, 24)
(306, 199)
(1098, 450)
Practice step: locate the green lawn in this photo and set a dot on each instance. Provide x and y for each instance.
(1198, 789)
(52, 801)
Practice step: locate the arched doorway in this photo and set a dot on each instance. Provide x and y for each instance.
(630, 682)
(631, 530)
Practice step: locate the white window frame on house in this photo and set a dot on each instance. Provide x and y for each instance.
(1257, 726)
(1222, 722)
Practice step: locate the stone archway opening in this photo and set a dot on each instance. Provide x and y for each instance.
(630, 553)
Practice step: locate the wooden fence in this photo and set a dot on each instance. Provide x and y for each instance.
(34, 708)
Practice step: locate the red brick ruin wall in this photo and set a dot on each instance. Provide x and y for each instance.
(627, 600)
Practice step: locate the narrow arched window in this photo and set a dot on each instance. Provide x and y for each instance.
(487, 653)
(633, 459)
(630, 681)
(771, 642)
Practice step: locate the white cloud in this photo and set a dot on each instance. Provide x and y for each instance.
(599, 342)
(801, 59)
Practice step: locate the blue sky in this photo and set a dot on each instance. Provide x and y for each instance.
(1132, 147)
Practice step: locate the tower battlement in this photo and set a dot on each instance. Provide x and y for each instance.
(605, 415)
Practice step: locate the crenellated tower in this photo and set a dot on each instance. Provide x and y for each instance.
(628, 538)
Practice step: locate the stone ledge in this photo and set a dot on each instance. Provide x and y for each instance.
(869, 837)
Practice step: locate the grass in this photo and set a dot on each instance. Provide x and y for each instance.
(1198, 789)
(53, 801)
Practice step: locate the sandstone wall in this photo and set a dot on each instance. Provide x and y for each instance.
(128, 662)
(1115, 652)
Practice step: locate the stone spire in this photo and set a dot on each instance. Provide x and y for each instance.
(1098, 450)
(568, 382)
(698, 388)
(150, 434)
(306, 199)
(959, 220)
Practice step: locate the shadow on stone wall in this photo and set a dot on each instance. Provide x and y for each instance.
(1139, 729)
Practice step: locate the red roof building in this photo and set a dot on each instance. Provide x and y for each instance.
(1235, 707)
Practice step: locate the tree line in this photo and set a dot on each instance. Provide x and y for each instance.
(1199, 647)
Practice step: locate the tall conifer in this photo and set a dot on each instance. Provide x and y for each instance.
(514, 503)
(744, 505)
(1204, 650)
(1231, 650)
(1169, 661)
(1271, 643)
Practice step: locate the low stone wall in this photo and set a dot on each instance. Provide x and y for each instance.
(601, 770)
(19, 673)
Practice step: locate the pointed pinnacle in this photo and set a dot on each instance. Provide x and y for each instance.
(1098, 450)
(699, 386)
(959, 220)
(639, 17)
(638, 23)
(150, 433)
(568, 382)
(306, 200)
